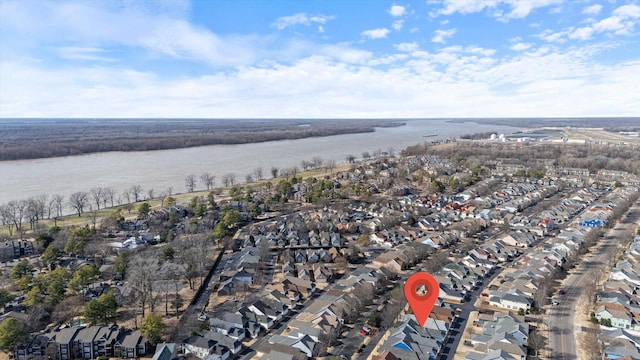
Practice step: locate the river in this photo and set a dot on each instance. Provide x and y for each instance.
(161, 169)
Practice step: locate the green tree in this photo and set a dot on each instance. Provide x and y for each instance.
(167, 253)
(170, 202)
(51, 256)
(12, 334)
(231, 218)
(436, 186)
(120, 265)
(43, 240)
(220, 231)
(284, 188)
(152, 327)
(23, 268)
(201, 209)
(55, 285)
(102, 310)
(144, 209)
(211, 197)
(83, 277)
(235, 192)
(24, 282)
(33, 297)
(5, 297)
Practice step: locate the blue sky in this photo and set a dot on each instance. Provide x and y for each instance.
(319, 59)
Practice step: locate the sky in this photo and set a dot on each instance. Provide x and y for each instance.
(319, 58)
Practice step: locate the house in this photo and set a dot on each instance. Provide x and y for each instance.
(321, 273)
(491, 355)
(303, 343)
(88, 343)
(166, 351)
(204, 348)
(619, 315)
(511, 301)
(305, 288)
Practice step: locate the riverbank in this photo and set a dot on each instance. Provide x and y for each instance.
(45, 138)
(130, 210)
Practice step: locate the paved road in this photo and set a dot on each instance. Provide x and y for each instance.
(453, 337)
(562, 317)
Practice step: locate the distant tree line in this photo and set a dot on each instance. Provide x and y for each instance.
(31, 140)
(589, 156)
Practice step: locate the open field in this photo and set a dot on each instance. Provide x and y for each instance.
(599, 135)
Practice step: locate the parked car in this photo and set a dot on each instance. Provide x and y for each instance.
(365, 330)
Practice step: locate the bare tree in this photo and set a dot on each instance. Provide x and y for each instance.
(136, 191)
(208, 180)
(229, 179)
(170, 190)
(317, 162)
(97, 195)
(330, 164)
(350, 158)
(162, 197)
(57, 200)
(366, 155)
(190, 182)
(109, 194)
(590, 343)
(93, 216)
(126, 194)
(391, 151)
(78, 201)
(15, 213)
(248, 178)
(274, 172)
(306, 165)
(141, 272)
(257, 173)
(150, 194)
(193, 258)
(40, 203)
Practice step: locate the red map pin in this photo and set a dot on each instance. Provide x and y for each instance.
(421, 304)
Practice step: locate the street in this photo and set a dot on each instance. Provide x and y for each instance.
(563, 327)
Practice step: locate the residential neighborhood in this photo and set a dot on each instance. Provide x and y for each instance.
(327, 280)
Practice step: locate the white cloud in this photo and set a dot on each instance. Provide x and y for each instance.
(296, 77)
(397, 25)
(300, 19)
(501, 9)
(376, 33)
(406, 47)
(83, 53)
(621, 22)
(592, 10)
(134, 25)
(520, 46)
(440, 36)
(397, 10)
(544, 83)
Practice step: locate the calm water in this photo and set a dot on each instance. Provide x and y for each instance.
(160, 169)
